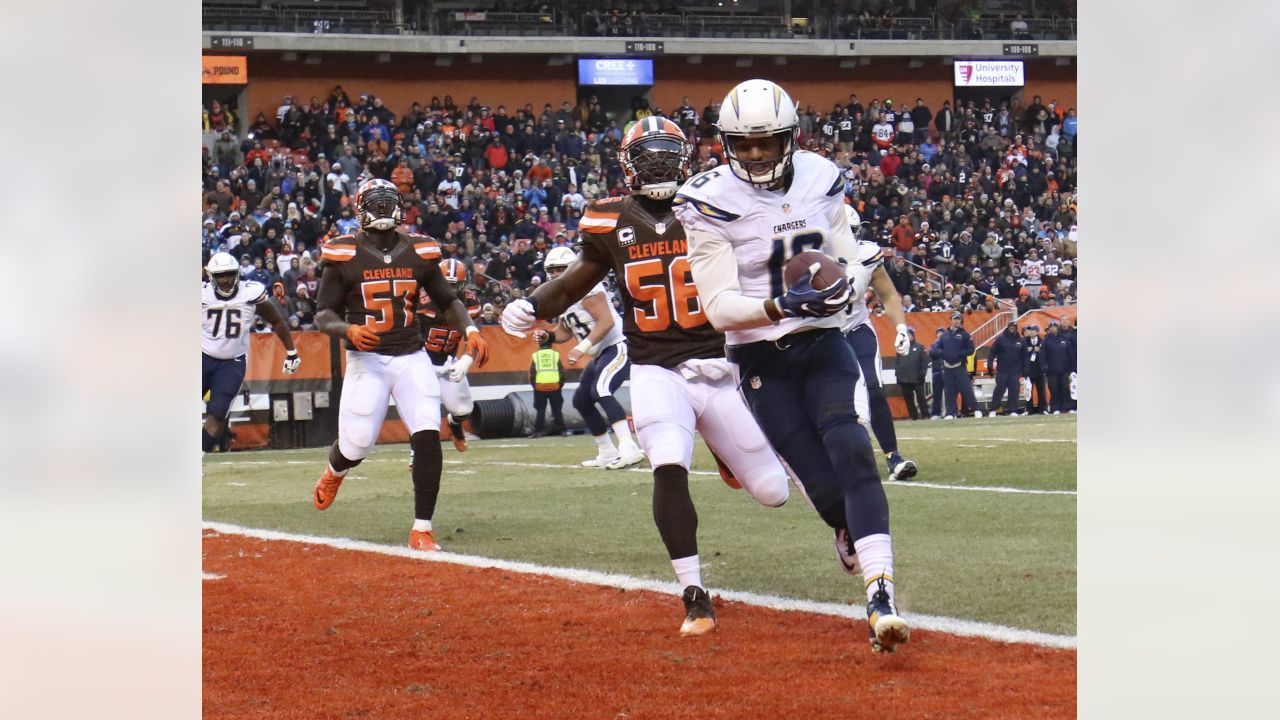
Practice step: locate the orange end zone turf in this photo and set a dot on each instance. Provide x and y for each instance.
(305, 631)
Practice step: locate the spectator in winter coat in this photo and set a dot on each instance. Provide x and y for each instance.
(935, 375)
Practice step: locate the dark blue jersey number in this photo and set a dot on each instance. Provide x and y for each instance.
(778, 258)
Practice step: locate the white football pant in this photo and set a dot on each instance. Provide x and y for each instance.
(371, 381)
(456, 395)
(668, 405)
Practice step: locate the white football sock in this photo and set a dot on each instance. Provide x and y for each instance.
(875, 555)
(421, 525)
(604, 445)
(623, 429)
(688, 570)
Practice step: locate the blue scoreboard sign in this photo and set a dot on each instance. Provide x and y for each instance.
(615, 71)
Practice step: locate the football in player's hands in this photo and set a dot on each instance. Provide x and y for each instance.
(801, 264)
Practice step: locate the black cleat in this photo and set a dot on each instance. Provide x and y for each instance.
(699, 613)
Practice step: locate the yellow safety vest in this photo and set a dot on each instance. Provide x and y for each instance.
(547, 367)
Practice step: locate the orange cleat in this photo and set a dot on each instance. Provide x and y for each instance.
(423, 540)
(726, 474)
(457, 433)
(326, 489)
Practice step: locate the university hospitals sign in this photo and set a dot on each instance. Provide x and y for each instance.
(989, 73)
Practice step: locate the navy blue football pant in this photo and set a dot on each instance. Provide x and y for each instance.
(1060, 392)
(866, 349)
(222, 380)
(799, 389)
(1006, 383)
(1039, 396)
(938, 387)
(599, 381)
(956, 380)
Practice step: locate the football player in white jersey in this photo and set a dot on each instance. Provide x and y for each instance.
(867, 270)
(599, 331)
(744, 220)
(229, 307)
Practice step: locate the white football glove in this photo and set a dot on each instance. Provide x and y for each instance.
(458, 372)
(518, 317)
(902, 342)
(291, 362)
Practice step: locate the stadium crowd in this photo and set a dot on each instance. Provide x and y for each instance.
(976, 204)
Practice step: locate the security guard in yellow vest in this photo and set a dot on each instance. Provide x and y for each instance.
(547, 379)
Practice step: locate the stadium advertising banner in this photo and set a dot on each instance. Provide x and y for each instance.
(224, 69)
(615, 71)
(989, 73)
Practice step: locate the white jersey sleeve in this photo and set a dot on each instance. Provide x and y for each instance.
(227, 322)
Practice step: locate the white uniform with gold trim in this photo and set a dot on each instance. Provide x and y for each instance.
(227, 323)
(741, 236)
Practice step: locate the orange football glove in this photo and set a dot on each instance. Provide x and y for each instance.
(477, 347)
(363, 338)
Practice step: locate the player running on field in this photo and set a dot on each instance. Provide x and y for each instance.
(368, 288)
(229, 307)
(867, 270)
(680, 380)
(598, 328)
(442, 344)
(797, 372)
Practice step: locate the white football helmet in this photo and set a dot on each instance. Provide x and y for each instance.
(224, 271)
(758, 109)
(558, 257)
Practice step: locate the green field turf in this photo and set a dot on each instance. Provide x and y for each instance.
(996, 557)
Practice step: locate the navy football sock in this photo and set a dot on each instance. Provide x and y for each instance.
(882, 420)
(207, 441)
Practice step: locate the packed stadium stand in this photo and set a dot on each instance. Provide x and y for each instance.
(975, 204)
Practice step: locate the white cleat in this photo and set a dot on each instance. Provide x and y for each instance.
(601, 461)
(627, 457)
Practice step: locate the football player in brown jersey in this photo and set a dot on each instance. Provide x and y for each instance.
(680, 380)
(369, 285)
(442, 343)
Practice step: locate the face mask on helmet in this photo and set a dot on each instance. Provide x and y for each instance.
(776, 151)
(224, 283)
(380, 208)
(656, 166)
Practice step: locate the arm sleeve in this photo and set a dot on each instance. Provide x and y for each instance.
(715, 272)
(330, 294)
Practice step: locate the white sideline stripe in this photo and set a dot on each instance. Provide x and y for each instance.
(648, 471)
(984, 440)
(211, 576)
(977, 488)
(951, 626)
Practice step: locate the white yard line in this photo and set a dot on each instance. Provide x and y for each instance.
(648, 471)
(211, 576)
(952, 626)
